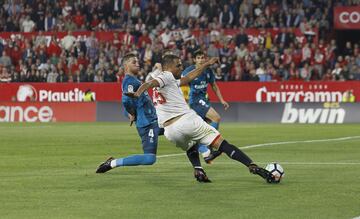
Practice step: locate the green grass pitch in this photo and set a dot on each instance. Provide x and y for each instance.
(48, 171)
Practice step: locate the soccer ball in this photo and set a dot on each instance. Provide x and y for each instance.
(276, 170)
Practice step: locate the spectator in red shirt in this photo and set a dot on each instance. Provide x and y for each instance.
(342, 62)
(294, 74)
(128, 39)
(287, 57)
(79, 19)
(15, 55)
(73, 65)
(319, 61)
(144, 38)
(127, 5)
(54, 47)
(236, 72)
(327, 76)
(94, 22)
(117, 41)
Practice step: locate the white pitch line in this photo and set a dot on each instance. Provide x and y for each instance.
(279, 143)
(170, 155)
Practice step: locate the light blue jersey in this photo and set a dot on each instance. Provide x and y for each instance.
(198, 99)
(142, 107)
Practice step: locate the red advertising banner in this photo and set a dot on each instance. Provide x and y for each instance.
(232, 91)
(287, 91)
(47, 112)
(347, 17)
(59, 92)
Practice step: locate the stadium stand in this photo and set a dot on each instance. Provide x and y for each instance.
(296, 40)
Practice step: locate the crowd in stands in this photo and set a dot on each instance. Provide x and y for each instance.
(151, 28)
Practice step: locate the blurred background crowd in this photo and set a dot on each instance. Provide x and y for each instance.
(151, 28)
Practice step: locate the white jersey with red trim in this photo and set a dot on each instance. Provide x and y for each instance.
(168, 98)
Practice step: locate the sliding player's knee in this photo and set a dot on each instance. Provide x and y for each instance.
(149, 159)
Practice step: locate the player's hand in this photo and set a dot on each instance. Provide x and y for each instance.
(132, 95)
(132, 119)
(157, 66)
(225, 104)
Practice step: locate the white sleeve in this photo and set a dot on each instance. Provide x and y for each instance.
(164, 79)
(155, 73)
(152, 75)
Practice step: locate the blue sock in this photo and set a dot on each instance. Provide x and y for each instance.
(135, 160)
(215, 125)
(203, 149)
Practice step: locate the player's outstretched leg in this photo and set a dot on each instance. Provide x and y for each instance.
(236, 154)
(134, 160)
(105, 166)
(255, 169)
(199, 173)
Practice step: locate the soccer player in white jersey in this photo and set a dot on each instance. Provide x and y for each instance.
(182, 125)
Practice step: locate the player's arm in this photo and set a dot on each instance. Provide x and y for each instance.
(216, 90)
(129, 109)
(156, 71)
(197, 71)
(143, 87)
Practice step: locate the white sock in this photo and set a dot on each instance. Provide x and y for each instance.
(113, 163)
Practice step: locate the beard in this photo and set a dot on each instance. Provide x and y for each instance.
(177, 76)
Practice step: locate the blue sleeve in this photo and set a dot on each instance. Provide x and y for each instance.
(187, 70)
(212, 76)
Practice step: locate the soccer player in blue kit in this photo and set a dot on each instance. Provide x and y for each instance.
(142, 112)
(199, 101)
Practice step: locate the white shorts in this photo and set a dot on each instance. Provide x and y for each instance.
(189, 130)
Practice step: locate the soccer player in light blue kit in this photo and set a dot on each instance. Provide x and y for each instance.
(199, 102)
(142, 112)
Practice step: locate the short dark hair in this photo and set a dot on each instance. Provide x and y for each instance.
(198, 53)
(168, 60)
(127, 57)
